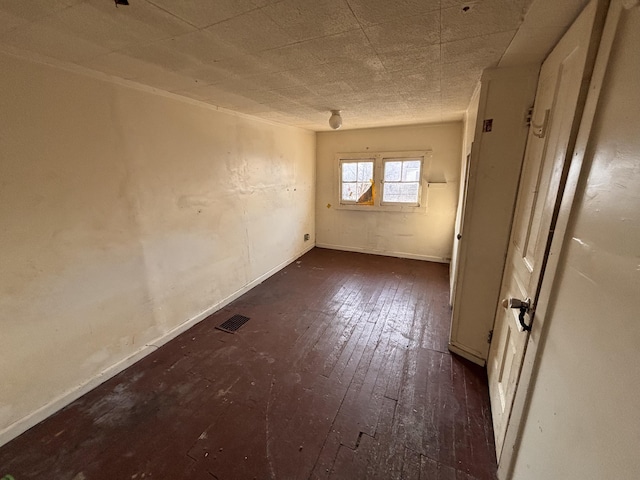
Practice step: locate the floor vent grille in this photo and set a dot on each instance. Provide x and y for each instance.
(233, 324)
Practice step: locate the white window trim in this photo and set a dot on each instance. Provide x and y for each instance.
(420, 181)
(378, 157)
(343, 160)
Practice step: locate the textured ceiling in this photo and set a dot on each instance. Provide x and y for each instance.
(382, 62)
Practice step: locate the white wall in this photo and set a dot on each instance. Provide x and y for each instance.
(584, 415)
(423, 235)
(125, 214)
(506, 95)
(469, 122)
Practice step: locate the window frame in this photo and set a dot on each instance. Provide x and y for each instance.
(379, 159)
(387, 159)
(341, 181)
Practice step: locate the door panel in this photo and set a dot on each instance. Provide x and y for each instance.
(559, 86)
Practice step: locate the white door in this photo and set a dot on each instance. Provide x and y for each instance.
(551, 137)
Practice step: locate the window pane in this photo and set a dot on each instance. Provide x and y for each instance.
(401, 192)
(365, 171)
(411, 171)
(391, 192)
(349, 170)
(402, 181)
(349, 191)
(409, 192)
(361, 187)
(359, 192)
(357, 181)
(366, 193)
(392, 171)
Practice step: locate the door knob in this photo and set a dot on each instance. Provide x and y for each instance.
(515, 303)
(523, 305)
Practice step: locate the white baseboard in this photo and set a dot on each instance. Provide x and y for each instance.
(413, 256)
(58, 403)
(472, 357)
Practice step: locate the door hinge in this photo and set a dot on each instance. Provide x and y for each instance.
(529, 116)
(490, 336)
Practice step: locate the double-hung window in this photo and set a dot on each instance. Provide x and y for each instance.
(356, 186)
(391, 181)
(401, 181)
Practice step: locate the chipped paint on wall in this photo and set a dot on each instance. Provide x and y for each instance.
(126, 214)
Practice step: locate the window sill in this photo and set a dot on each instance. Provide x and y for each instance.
(383, 208)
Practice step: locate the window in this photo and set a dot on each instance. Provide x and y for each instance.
(401, 181)
(356, 186)
(390, 181)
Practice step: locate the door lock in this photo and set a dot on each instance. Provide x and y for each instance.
(523, 305)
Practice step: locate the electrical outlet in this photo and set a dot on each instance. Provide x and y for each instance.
(306, 237)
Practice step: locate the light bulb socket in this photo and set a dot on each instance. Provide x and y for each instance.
(335, 121)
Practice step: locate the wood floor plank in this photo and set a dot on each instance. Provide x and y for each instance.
(410, 465)
(387, 453)
(432, 470)
(342, 371)
(324, 464)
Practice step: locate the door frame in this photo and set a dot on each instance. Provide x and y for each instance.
(607, 19)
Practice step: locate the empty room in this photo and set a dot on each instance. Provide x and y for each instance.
(334, 239)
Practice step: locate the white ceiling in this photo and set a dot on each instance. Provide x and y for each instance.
(382, 62)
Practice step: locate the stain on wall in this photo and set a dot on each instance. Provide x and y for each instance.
(125, 214)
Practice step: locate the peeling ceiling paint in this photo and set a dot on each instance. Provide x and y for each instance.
(381, 62)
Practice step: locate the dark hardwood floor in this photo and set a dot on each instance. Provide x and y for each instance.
(341, 373)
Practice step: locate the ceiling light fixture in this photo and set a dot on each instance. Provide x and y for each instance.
(335, 120)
